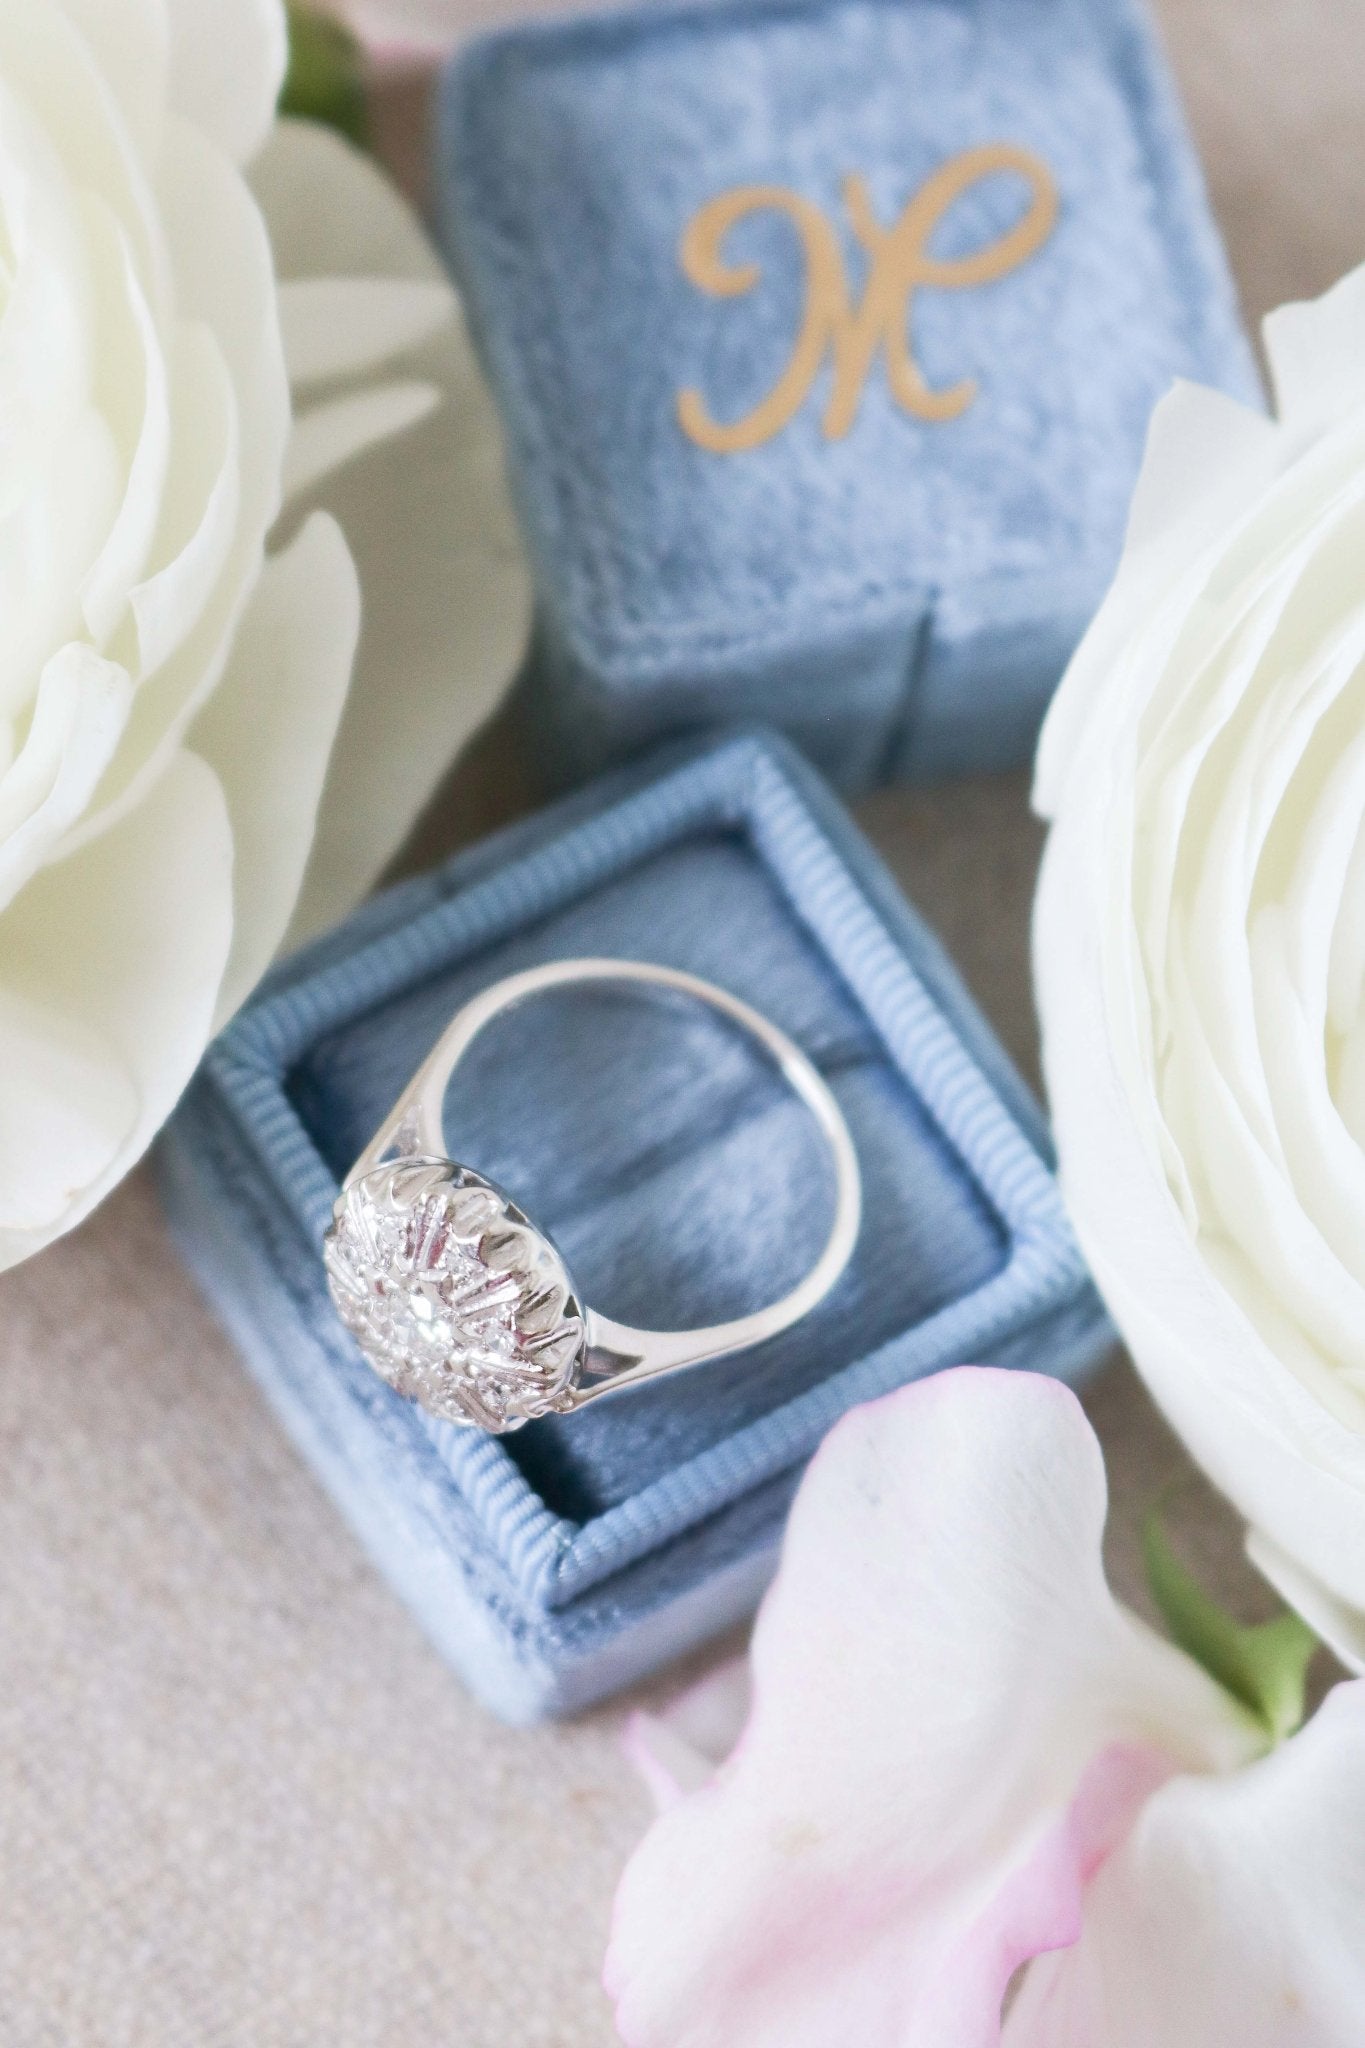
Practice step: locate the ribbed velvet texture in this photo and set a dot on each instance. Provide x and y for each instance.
(901, 601)
(681, 1179)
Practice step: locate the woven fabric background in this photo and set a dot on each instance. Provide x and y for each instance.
(241, 1803)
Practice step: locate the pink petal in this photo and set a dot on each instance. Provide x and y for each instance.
(677, 1751)
(1038, 1907)
(1231, 1915)
(953, 1723)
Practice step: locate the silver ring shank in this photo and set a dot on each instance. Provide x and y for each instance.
(617, 1355)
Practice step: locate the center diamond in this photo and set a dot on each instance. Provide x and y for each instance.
(454, 1298)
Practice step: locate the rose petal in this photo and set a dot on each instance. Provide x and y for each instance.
(62, 1126)
(120, 950)
(78, 719)
(224, 277)
(342, 326)
(428, 519)
(268, 730)
(1184, 502)
(952, 1719)
(328, 436)
(1231, 1913)
(227, 64)
(130, 43)
(1316, 351)
(1217, 1022)
(135, 363)
(223, 282)
(52, 70)
(1294, 1468)
(198, 529)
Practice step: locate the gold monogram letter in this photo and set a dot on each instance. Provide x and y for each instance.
(898, 263)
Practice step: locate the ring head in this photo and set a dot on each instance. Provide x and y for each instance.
(453, 1296)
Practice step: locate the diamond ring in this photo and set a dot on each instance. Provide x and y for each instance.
(462, 1304)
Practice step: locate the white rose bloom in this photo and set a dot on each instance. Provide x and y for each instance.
(170, 687)
(1200, 947)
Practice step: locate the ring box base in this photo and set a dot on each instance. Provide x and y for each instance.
(679, 1176)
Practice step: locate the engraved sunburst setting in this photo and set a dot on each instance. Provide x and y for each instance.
(453, 1296)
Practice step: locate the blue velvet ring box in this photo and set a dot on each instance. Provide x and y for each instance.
(681, 1179)
(826, 334)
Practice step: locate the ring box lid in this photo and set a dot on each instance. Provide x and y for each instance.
(577, 159)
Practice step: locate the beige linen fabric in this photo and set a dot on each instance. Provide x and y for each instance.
(242, 1805)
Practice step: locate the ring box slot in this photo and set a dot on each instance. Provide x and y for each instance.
(680, 1177)
(897, 586)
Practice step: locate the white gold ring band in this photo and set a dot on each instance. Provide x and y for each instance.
(462, 1304)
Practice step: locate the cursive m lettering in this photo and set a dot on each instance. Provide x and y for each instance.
(899, 262)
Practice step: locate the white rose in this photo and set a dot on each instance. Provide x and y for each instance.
(1200, 947)
(169, 690)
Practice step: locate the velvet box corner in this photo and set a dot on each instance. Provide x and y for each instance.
(826, 334)
(556, 1564)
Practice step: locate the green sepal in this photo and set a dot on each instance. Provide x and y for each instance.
(1265, 1668)
(325, 79)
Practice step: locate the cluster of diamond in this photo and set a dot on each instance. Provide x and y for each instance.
(454, 1298)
